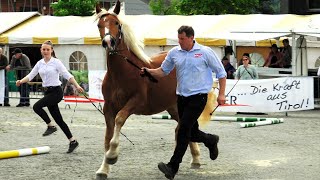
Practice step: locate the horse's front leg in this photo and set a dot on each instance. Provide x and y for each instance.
(113, 152)
(104, 169)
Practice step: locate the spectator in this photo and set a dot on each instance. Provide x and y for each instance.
(3, 64)
(287, 54)
(21, 63)
(228, 67)
(245, 54)
(246, 71)
(274, 57)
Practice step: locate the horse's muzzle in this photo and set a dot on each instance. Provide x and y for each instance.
(109, 42)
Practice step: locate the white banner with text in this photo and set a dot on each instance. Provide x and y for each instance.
(269, 95)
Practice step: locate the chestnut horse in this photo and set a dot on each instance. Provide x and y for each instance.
(125, 92)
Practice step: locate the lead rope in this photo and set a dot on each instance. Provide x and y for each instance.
(228, 92)
(103, 114)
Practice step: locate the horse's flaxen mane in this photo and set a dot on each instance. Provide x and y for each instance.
(130, 40)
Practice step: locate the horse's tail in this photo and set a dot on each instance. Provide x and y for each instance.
(205, 116)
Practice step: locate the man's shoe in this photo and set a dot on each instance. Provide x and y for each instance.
(27, 104)
(212, 145)
(72, 146)
(167, 170)
(50, 130)
(20, 105)
(7, 104)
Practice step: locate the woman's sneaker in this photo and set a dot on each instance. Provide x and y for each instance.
(50, 130)
(72, 146)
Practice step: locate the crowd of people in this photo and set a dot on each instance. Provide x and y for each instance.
(246, 71)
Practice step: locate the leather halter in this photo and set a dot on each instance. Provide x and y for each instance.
(110, 42)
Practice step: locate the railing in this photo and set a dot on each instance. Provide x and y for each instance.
(274, 72)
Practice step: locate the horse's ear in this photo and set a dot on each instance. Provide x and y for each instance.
(117, 8)
(98, 8)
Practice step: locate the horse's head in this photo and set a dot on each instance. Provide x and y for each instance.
(109, 27)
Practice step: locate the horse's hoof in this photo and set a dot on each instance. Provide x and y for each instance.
(101, 176)
(112, 160)
(195, 165)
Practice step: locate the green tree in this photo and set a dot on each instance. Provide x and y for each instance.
(269, 7)
(190, 7)
(73, 7)
(164, 7)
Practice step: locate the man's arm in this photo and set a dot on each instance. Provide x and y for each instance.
(11, 64)
(157, 73)
(222, 88)
(4, 62)
(26, 63)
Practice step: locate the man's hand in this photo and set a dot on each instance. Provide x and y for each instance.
(221, 99)
(18, 83)
(8, 67)
(143, 71)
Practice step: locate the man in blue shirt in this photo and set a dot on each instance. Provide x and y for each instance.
(194, 64)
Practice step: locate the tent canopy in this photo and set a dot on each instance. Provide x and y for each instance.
(10, 19)
(212, 30)
(60, 30)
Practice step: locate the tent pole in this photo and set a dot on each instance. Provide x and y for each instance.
(234, 48)
(304, 57)
(294, 57)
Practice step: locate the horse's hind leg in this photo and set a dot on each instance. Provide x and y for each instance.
(194, 147)
(195, 152)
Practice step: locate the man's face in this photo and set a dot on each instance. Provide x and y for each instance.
(185, 42)
(274, 49)
(18, 55)
(225, 61)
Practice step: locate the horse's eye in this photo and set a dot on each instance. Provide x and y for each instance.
(117, 23)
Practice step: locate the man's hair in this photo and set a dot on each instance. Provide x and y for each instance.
(285, 40)
(187, 29)
(225, 58)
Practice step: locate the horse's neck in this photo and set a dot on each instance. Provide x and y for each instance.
(124, 62)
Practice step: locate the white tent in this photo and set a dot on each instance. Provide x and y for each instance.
(155, 31)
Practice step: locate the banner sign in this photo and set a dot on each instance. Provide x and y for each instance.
(262, 95)
(269, 95)
(2, 85)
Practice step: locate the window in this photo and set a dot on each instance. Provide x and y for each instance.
(78, 61)
(257, 59)
(317, 63)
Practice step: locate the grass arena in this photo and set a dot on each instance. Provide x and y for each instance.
(289, 150)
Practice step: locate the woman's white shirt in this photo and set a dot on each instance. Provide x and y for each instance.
(49, 72)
